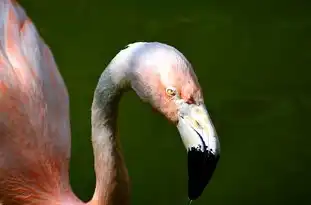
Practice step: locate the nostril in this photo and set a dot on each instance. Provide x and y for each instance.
(198, 125)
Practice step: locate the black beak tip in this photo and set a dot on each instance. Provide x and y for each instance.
(201, 166)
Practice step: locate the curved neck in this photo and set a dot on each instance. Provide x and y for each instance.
(112, 182)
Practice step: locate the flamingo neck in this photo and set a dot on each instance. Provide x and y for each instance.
(112, 182)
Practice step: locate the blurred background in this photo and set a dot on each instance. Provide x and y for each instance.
(252, 59)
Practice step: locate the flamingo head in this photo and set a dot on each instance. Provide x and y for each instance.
(165, 78)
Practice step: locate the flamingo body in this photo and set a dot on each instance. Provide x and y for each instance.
(34, 119)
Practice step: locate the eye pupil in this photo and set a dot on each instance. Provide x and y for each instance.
(171, 91)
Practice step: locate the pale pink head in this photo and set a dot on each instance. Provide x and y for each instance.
(162, 76)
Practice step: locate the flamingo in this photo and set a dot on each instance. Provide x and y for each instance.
(35, 131)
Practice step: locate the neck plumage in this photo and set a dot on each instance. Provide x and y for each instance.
(112, 182)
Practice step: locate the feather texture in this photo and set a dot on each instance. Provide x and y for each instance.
(34, 113)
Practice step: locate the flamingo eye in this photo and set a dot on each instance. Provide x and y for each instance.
(170, 91)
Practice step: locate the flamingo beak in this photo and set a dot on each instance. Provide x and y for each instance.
(201, 141)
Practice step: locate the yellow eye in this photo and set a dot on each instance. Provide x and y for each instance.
(171, 91)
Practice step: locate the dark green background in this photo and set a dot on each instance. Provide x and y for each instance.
(252, 59)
